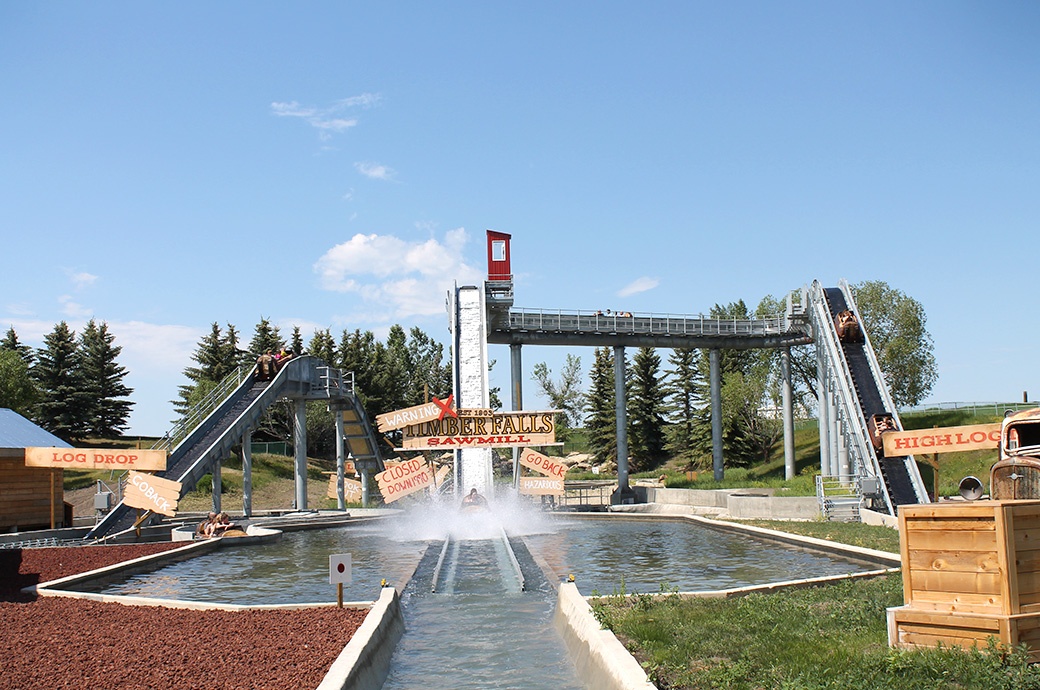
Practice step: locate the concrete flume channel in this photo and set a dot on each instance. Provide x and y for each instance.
(482, 625)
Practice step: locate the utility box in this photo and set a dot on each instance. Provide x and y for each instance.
(103, 501)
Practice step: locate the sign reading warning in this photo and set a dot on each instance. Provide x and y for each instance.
(96, 458)
(951, 439)
(404, 479)
(152, 493)
(482, 429)
(541, 486)
(398, 419)
(543, 463)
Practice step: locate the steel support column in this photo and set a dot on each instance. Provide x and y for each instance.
(624, 491)
(341, 459)
(788, 401)
(300, 447)
(516, 376)
(247, 473)
(215, 476)
(715, 375)
(823, 413)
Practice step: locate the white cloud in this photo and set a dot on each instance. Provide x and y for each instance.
(375, 171)
(403, 278)
(82, 279)
(72, 309)
(638, 285)
(328, 120)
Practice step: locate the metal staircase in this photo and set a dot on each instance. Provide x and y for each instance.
(207, 434)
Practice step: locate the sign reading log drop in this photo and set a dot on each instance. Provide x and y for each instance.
(152, 493)
(96, 458)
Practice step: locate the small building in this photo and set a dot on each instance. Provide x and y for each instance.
(30, 497)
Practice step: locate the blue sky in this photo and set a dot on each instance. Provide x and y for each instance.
(335, 165)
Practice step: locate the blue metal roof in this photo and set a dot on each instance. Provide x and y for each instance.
(18, 432)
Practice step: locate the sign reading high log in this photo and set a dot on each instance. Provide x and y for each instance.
(541, 486)
(152, 493)
(480, 428)
(952, 439)
(543, 463)
(96, 458)
(404, 479)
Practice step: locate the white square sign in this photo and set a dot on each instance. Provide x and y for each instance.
(339, 569)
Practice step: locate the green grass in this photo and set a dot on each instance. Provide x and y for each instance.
(832, 636)
(854, 533)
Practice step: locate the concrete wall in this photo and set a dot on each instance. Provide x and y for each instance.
(602, 662)
(739, 503)
(365, 662)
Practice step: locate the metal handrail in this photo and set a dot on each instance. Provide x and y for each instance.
(643, 322)
(194, 416)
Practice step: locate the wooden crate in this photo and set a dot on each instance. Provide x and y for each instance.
(971, 570)
(972, 557)
(909, 627)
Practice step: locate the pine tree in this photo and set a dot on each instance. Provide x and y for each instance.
(266, 338)
(601, 422)
(296, 342)
(646, 411)
(66, 401)
(430, 374)
(110, 410)
(323, 346)
(686, 392)
(11, 342)
(217, 355)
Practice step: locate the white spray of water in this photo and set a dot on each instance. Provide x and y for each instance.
(437, 519)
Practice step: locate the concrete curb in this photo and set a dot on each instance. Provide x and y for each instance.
(365, 662)
(602, 662)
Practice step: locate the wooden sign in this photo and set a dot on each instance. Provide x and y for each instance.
(497, 430)
(351, 489)
(96, 458)
(404, 479)
(952, 439)
(398, 419)
(541, 486)
(543, 463)
(152, 493)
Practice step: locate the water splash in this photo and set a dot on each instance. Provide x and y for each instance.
(438, 518)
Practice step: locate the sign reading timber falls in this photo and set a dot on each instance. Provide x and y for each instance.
(481, 428)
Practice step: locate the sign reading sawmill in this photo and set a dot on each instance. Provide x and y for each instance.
(482, 428)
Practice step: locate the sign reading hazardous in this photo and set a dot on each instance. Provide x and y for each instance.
(951, 439)
(152, 493)
(541, 486)
(96, 458)
(482, 429)
(399, 419)
(404, 479)
(543, 463)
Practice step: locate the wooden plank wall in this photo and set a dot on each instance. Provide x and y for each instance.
(25, 496)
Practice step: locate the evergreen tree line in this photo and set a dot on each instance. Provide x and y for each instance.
(669, 412)
(406, 369)
(72, 386)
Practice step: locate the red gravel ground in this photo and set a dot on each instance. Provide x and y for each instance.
(58, 642)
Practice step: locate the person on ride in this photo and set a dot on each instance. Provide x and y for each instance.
(473, 499)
